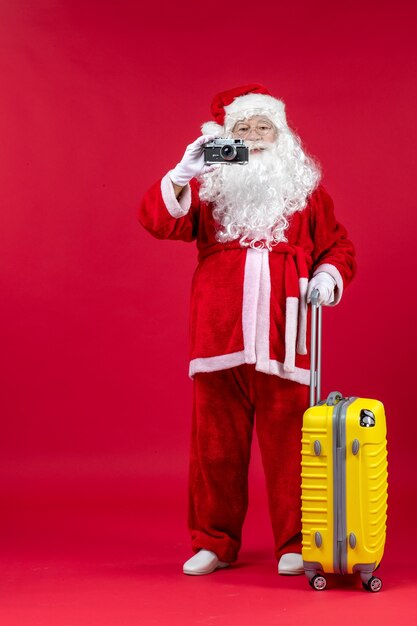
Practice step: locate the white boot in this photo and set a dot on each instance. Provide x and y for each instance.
(204, 562)
(291, 564)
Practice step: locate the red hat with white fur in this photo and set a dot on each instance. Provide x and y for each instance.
(240, 103)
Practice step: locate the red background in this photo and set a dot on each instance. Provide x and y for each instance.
(98, 100)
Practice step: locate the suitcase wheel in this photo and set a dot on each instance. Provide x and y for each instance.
(374, 584)
(318, 582)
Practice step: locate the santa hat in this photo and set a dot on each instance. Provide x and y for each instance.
(240, 103)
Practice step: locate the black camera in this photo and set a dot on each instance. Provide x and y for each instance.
(226, 151)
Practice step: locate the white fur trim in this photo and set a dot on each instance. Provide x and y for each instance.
(226, 361)
(255, 104)
(176, 207)
(263, 321)
(256, 305)
(302, 317)
(334, 273)
(211, 128)
(215, 363)
(299, 375)
(247, 106)
(255, 101)
(291, 318)
(251, 285)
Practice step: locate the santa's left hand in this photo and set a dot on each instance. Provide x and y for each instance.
(325, 284)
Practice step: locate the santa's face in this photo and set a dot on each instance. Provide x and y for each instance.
(254, 130)
(252, 203)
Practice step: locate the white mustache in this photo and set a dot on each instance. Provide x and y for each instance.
(258, 145)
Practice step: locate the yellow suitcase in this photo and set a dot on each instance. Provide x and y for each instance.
(343, 481)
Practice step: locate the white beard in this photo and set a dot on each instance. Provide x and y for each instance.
(253, 202)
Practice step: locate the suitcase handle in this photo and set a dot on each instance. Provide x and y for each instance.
(315, 351)
(315, 354)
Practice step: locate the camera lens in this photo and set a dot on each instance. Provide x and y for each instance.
(228, 152)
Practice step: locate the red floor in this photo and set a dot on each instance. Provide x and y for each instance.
(90, 557)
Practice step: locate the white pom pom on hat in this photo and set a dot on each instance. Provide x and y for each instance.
(228, 107)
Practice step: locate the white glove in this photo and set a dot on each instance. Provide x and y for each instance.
(192, 163)
(325, 283)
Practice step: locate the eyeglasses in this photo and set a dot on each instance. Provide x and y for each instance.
(242, 129)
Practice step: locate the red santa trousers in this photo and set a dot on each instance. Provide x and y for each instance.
(227, 405)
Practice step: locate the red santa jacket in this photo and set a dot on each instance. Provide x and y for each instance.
(249, 305)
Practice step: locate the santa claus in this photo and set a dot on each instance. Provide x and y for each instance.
(266, 236)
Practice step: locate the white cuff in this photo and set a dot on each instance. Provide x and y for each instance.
(176, 207)
(336, 275)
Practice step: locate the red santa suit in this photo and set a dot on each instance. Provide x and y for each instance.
(248, 307)
(248, 358)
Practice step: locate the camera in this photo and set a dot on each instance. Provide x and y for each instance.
(226, 151)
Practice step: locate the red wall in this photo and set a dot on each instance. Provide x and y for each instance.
(98, 100)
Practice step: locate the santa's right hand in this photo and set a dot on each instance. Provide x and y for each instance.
(192, 163)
